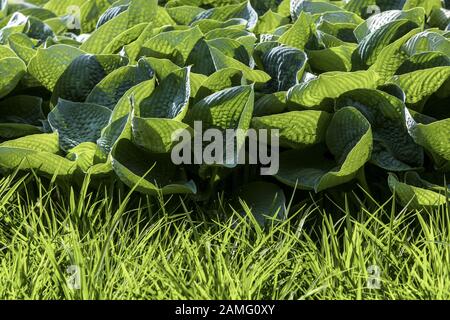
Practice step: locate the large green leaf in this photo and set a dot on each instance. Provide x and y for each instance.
(83, 74)
(78, 122)
(415, 197)
(49, 64)
(371, 46)
(146, 172)
(434, 137)
(302, 33)
(375, 22)
(420, 84)
(318, 93)
(244, 11)
(35, 152)
(12, 70)
(349, 138)
(394, 149)
(112, 88)
(284, 64)
(297, 129)
(170, 99)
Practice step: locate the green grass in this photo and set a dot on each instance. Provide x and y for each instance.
(136, 247)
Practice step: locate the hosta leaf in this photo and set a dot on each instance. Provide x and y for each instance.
(428, 5)
(427, 41)
(285, 65)
(146, 172)
(227, 109)
(299, 6)
(136, 94)
(86, 155)
(21, 109)
(184, 14)
(219, 80)
(372, 45)
(35, 152)
(332, 59)
(23, 46)
(83, 74)
(349, 138)
(170, 99)
(420, 84)
(221, 61)
(173, 45)
(16, 130)
(270, 104)
(156, 134)
(111, 89)
(297, 129)
(317, 93)
(366, 8)
(207, 25)
(391, 57)
(394, 149)
(12, 70)
(48, 65)
(424, 60)
(78, 122)
(302, 33)
(415, 197)
(375, 22)
(139, 11)
(124, 39)
(244, 11)
(434, 137)
(270, 21)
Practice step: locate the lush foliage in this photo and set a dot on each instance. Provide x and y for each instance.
(359, 90)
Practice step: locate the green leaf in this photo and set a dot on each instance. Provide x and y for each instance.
(83, 74)
(12, 70)
(302, 33)
(221, 61)
(227, 109)
(173, 45)
(394, 149)
(332, 59)
(349, 138)
(371, 46)
(427, 41)
(415, 197)
(170, 99)
(317, 93)
(391, 57)
(420, 84)
(297, 129)
(35, 152)
(146, 172)
(155, 134)
(244, 11)
(78, 122)
(111, 89)
(433, 137)
(375, 22)
(48, 65)
(284, 64)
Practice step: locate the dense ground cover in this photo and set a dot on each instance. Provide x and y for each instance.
(91, 92)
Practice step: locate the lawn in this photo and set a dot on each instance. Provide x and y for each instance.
(140, 247)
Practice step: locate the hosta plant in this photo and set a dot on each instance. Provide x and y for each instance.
(358, 90)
